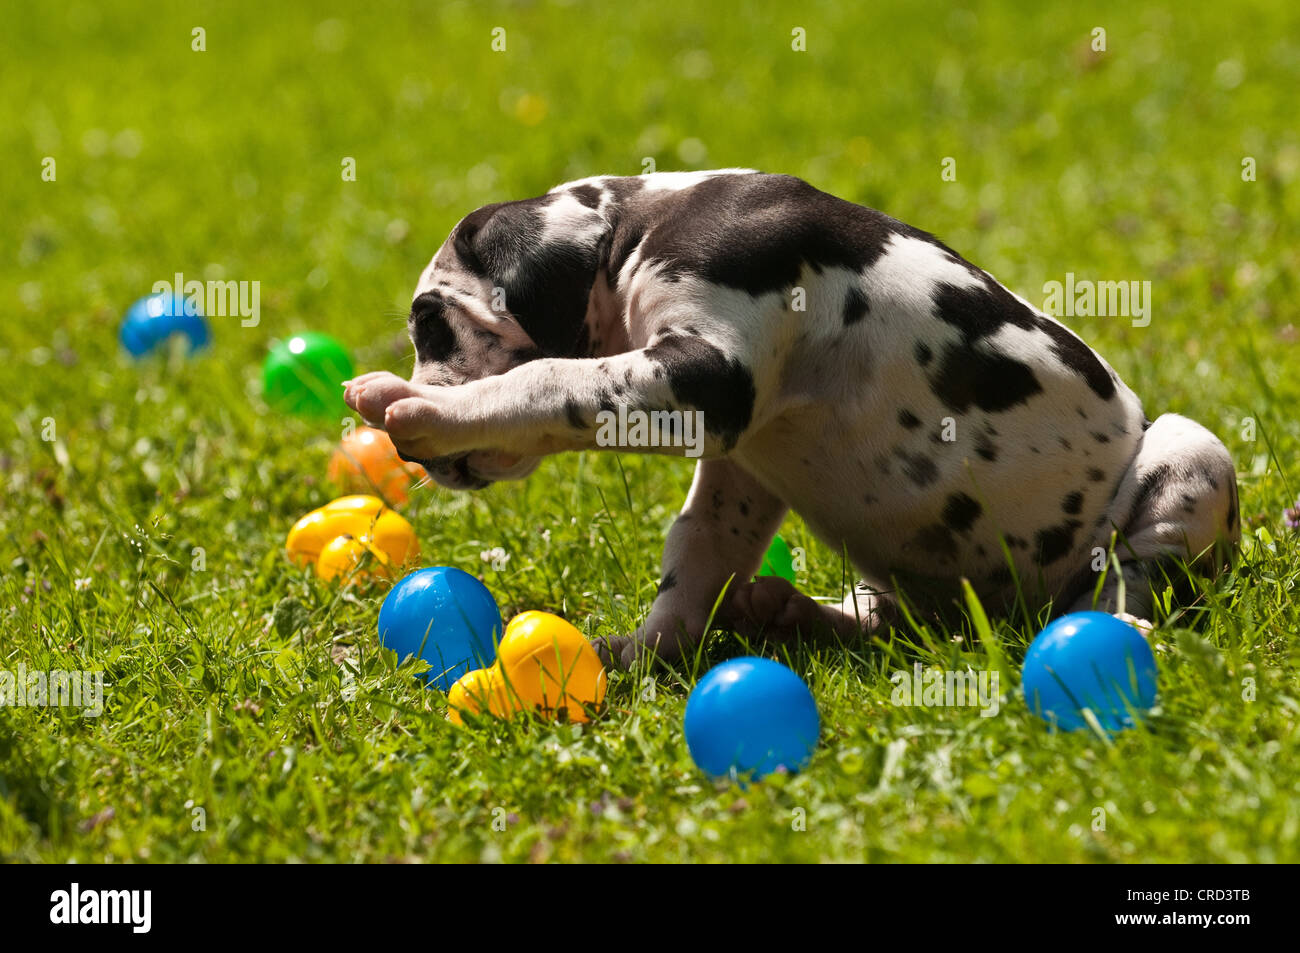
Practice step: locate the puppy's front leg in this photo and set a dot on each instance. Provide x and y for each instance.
(550, 405)
(723, 531)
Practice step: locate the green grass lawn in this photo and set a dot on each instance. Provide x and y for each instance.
(249, 712)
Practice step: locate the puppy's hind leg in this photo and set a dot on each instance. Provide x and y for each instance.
(722, 532)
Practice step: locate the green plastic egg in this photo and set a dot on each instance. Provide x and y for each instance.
(303, 375)
(778, 561)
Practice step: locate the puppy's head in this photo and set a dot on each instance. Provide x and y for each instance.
(510, 284)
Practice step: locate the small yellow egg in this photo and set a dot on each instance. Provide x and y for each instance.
(476, 691)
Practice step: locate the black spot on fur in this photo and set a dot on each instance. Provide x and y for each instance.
(908, 419)
(919, 469)
(1096, 475)
(1065, 444)
(705, 379)
(960, 512)
(1072, 503)
(856, 306)
(574, 413)
(1054, 542)
(669, 580)
(985, 448)
(744, 508)
(1079, 358)
(937, 541)
(923, 353)
(1100, 437)
(588, 195)
(969, 375)
(981, 311)
(758, 232)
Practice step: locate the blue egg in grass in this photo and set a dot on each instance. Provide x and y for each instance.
(1089, 660)
(151, 320)
(446, 617)
(750, 716)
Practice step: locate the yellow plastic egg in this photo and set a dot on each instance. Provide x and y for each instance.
(476, 691)
(549, 665)
(368, 524)
(344, 555)
(393, 535)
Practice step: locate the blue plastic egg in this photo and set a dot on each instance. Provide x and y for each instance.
(1089, 660)
(156, 317)
(446, 617)
(748, 717)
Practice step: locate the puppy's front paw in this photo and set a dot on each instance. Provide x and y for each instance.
(419, 418)
(1142, 625)
(371, 394)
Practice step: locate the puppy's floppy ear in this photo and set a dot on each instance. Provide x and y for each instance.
(544, 253)
(467, 231)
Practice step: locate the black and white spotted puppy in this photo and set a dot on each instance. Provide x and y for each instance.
(923, 420)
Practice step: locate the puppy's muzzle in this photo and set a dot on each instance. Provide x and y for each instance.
(476, 469)
(452, 472)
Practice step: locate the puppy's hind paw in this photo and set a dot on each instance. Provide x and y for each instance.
(771, 607)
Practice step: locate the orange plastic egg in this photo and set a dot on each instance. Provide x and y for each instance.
(367, 460)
